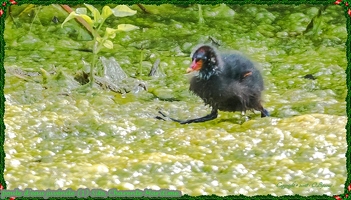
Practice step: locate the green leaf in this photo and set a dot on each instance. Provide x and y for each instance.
(73, 14)
(123, 11)
(106, 12)
(70, 16)
(99, 39)
(110, 32)
(108, 44)
(127, 27)
(96, 13)
(87, 19)
(81, 11)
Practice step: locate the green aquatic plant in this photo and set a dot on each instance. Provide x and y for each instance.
(94, 25)
(201, 18)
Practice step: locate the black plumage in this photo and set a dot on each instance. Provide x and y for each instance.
(226, 82)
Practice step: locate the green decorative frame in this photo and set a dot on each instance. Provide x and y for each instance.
(347, 9)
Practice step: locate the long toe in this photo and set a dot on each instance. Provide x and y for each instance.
(159, 118)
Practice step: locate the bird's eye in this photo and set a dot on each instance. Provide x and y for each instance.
(197, 59)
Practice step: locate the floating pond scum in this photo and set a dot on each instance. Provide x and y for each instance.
(67, 136)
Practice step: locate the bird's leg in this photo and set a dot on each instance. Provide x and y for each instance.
(212, 115)
(243, 113)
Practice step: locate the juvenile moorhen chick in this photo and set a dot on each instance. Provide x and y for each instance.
(226, 82)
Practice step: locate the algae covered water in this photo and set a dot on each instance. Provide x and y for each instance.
(58, 137)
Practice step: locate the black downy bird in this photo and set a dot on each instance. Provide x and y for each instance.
(226, 82)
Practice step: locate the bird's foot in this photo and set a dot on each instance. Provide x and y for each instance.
(160, 118)
(247, 118)
(211, 116)
(264, 113)
(165, 116)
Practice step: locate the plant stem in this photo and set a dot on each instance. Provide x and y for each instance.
(100, 25)
(35, 17)
(92, 71)
(95, 51)
(140, 63)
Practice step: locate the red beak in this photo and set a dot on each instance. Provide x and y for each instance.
(195, 66)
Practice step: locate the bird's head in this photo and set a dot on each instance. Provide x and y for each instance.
(206, 61)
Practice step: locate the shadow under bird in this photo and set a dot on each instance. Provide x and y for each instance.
(226, 82)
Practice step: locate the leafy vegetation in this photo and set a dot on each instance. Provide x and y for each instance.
(94, 25)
